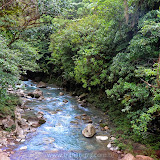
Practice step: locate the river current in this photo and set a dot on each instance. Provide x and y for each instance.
(62, 132)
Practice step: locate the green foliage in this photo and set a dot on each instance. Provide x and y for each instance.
(108, 47)
(27, 55)
(8, 63)
(17, 19)
(8, 105)
(52, 8)
(139, 100)
(81, 55)
(102, 52)
(13, 62)
(17, 16)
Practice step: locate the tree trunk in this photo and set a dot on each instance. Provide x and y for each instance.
(126, 14)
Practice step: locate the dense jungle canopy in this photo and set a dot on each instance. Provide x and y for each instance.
(109, 49)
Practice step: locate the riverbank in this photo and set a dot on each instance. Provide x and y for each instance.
(15, 127)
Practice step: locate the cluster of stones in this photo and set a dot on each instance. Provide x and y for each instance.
(21, 124)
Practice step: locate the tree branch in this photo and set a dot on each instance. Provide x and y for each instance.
(150, 85)
(6, 4)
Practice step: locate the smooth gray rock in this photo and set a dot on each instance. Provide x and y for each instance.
(89, 131)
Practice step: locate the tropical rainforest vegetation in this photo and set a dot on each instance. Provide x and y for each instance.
(109, 49)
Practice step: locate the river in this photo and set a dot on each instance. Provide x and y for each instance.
(62, 132)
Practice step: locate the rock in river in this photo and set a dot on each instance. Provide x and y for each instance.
(89, 131)
(128, 157)
(102, 138)
(41, 85)
(61, 94)
(23, 148)
(8, 122)
(36, 93)
(65, 101)
(4, 156)
(106, 127)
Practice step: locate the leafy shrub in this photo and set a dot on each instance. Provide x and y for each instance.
(13, 62)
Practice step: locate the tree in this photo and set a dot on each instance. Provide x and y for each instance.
(17, 16)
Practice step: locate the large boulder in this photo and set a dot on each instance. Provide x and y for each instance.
(30, 94)
(138, 157)
(4, 156)
(41, 85)
(18, 116)
(35, 121)
(89, 131)
(23, 123)
(41, 98)
(40, 114)
(20, 93)
(141, 157)
(20, 132)
(8, 122)
(61, 93)
(3, 140)
(37, 93)
(128, 157)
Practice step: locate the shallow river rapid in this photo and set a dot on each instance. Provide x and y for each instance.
(60, 134)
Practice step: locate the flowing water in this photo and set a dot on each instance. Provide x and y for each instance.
(59, 133)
